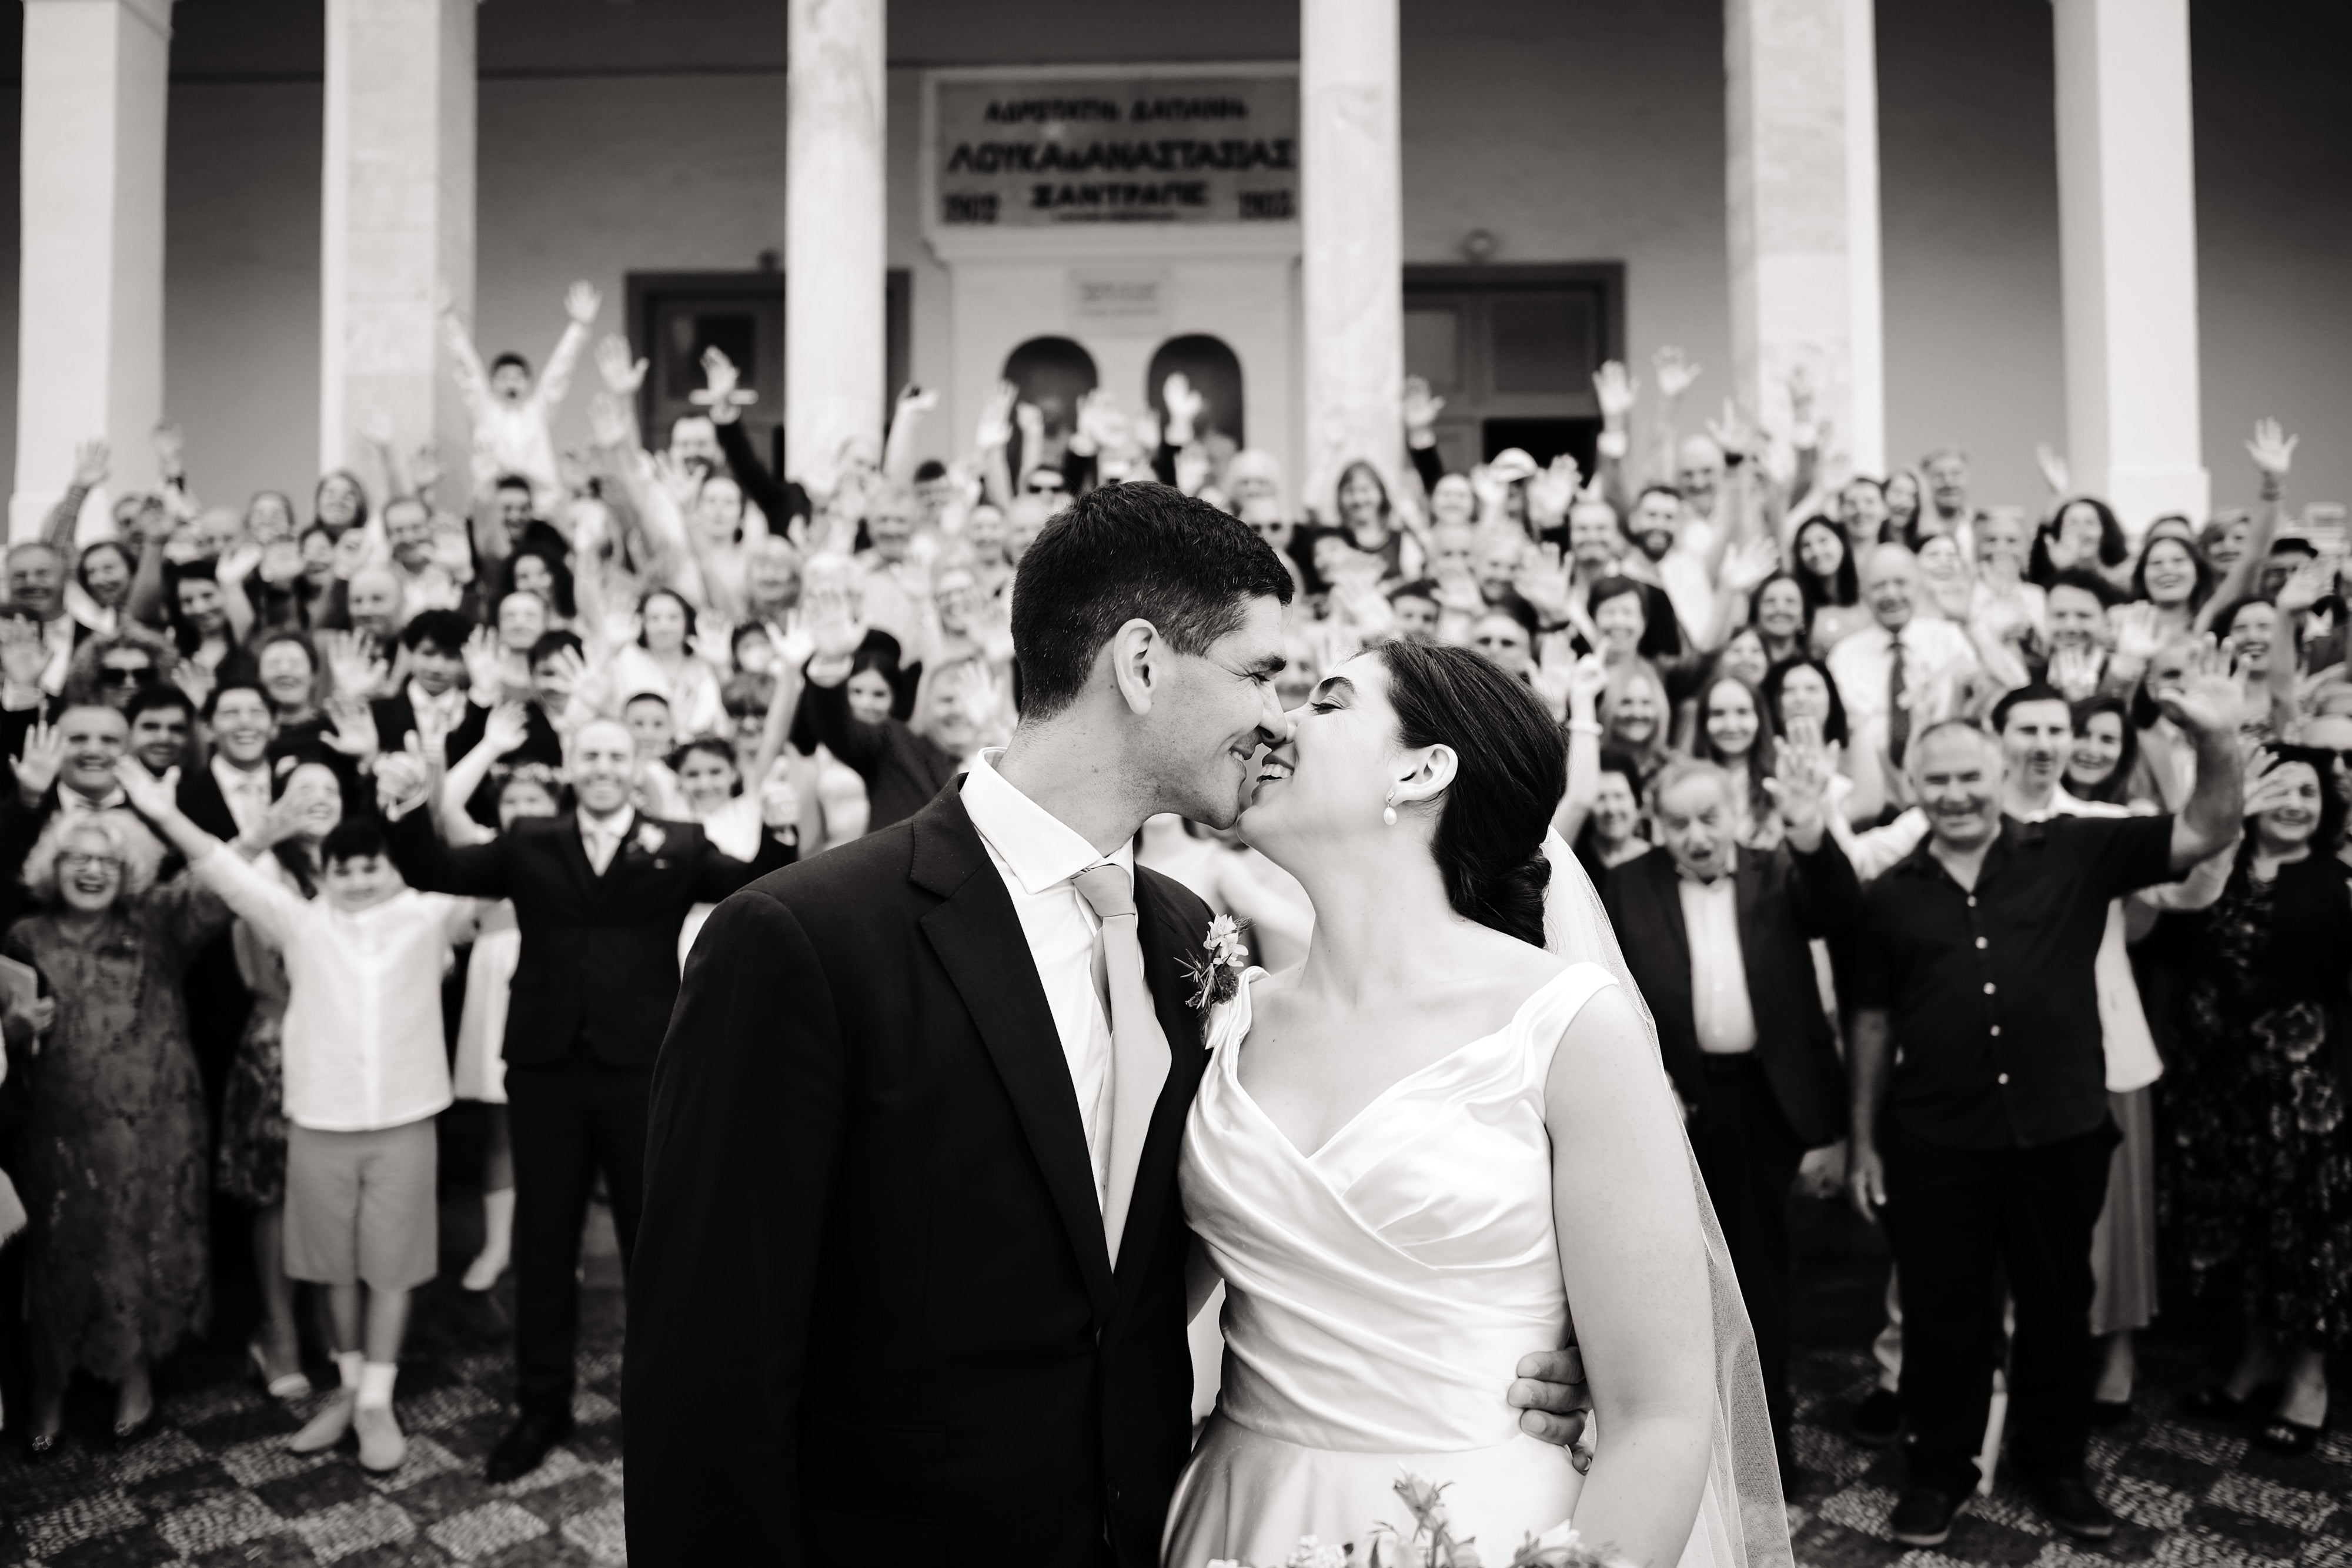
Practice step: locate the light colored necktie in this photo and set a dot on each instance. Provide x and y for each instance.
(1138, 1050)
(602, 842)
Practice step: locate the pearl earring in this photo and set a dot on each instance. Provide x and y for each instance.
(1388, 813)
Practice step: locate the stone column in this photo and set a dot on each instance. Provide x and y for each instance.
(834, 254)
(90, 343)
(2127, 255)
(1802, 122)
(1352, 195)
(396, 221)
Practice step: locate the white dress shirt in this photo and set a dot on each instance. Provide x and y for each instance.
(1037, 853)
(362, 1038)
(1863, 663)
(1725, 1019)
(448, 709)
(602, 837)
(245, 789)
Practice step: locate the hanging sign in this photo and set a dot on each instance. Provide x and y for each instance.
(1032, 149)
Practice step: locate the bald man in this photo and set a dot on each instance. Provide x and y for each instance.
(599, 893)
(1887, 672)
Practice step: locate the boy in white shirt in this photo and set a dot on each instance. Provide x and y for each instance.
(366, 1073)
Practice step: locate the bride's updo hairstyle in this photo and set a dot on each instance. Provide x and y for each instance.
(1510, 769)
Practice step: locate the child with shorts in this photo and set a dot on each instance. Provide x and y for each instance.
(366, 1073)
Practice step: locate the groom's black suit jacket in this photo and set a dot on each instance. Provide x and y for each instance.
(872, 1316)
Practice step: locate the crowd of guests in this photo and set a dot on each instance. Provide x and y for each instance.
(1986, 859)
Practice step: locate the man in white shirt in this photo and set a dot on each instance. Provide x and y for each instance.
(1888, 674)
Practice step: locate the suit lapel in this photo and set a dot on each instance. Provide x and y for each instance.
(978, 938)
(1666, 887)
(1748, 872)
(1164, 944)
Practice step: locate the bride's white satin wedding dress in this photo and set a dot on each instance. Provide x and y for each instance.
(1379, 1294)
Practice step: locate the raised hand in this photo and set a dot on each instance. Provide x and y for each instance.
(914, 401)
(401, 777)
(1801, 395)
(152, 797)
(2137, 637)
(2055, 471)
(608, 422)
(375, 429)
(2074, 671)
(425, 467)
(351, 731)
(1749, 562)
(1097, 418)
(1552, 492)
(1542, 580)
(485, 663)
(1615, 389)
(507, 727)
(1421, 406)
(1731, 432)
(780, 802)
(1183, 404)
(835, 629)
(2306, 585)
(2208, 699)
(352, 666)
(37, 765)
(2271, 449)
(565, 673)
(193, 679)
(581, 302)
(1675, 373)
(92, 461)
(621, 373)
(1801, 778)
(2272, 790)
(995, 429)
(722, 392)
(24, 656)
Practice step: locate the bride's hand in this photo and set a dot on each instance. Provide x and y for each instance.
(1551, 1397)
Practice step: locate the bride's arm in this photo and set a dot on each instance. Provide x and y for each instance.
(1634, 1261)
(1200, 1279)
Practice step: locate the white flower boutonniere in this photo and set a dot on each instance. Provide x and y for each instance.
(1216, 971)
(651, 839)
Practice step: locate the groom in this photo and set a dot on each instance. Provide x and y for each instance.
(909, 1282)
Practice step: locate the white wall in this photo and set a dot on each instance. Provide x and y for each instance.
(1591, 130)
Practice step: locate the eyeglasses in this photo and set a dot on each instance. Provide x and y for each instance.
(117, 675)
(72, 861)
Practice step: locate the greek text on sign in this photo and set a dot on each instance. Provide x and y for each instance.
(1034, 150)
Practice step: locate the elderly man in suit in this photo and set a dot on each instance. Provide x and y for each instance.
(599, 893)
(1717, 935)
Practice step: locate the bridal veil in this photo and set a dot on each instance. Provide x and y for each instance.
(1743, 1520)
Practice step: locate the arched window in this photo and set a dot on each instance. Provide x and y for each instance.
(1215, 373)
(1053, 373)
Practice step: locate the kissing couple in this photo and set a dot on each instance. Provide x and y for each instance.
(956, 1125)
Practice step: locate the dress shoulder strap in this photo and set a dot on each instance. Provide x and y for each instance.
(1545, 1016)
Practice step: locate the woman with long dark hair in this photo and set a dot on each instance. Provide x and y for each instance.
(2106, 751)
(1832, 588)
(1411, 799)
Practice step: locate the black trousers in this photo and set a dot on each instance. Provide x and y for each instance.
(1960, 1219)
(1748, 1155)
(568, 1122)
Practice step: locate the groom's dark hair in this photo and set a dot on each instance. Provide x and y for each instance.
(1130, 552)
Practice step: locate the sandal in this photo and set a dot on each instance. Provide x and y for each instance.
(2281, 1436)
(286, 1389)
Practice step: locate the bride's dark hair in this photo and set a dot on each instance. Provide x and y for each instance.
(1510, 769)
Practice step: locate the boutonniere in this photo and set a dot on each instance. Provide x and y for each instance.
(1216, 970)
(651, 839)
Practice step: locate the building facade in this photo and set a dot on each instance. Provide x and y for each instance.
(2117, 226)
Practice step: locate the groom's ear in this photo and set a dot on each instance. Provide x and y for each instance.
(1138, 656)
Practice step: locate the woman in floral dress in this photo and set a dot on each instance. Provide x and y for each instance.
(2259, 1151)
(111, 1157)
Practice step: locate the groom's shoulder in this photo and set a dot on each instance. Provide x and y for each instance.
(1190, 910)
(858, 876)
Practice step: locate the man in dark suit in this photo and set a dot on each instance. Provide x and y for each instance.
(599, 893)
(435, 694)
(1717, 936)
(911, 1274)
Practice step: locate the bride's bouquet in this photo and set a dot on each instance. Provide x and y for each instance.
(1431, 1543)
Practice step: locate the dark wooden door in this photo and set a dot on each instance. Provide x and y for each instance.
(1512, 350)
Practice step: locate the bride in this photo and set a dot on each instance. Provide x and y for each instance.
(1413, 1153)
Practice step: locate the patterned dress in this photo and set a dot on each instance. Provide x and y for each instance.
(2256, 1193)
(111, 1158)
(252, 1164)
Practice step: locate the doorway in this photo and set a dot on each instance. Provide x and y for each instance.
(1512, 350)
(674, 315)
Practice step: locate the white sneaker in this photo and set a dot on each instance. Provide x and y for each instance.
(381, 1447)
(326, 1428)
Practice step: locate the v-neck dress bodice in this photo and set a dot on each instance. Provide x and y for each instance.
(1379, 1295)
